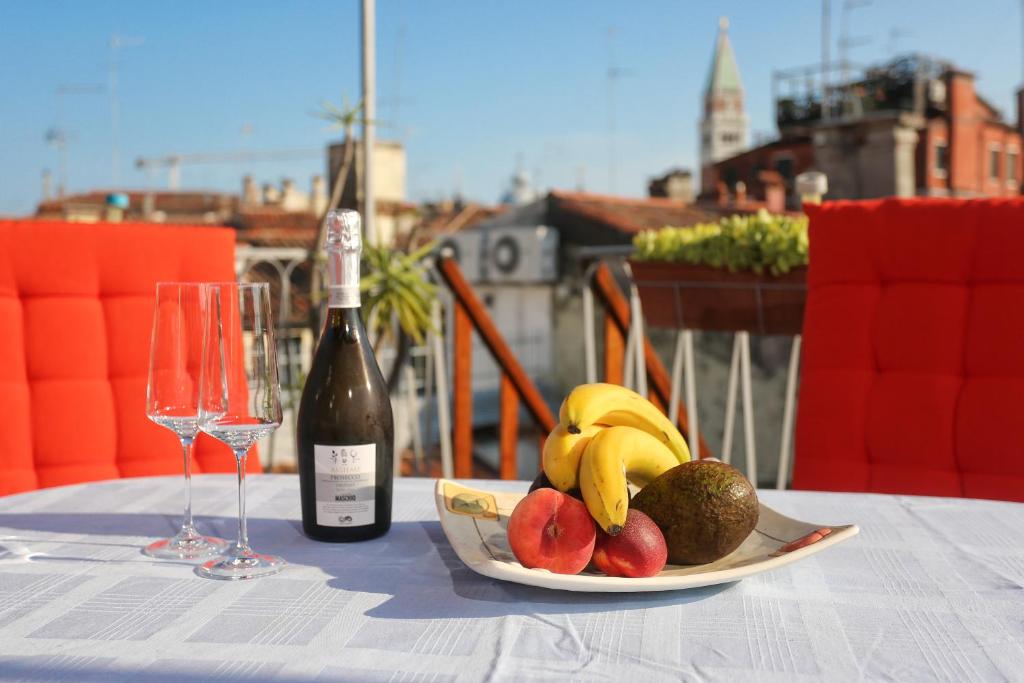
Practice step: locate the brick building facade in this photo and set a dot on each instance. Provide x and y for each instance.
(910, 127)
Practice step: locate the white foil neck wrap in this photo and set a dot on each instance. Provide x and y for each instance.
(344, 247)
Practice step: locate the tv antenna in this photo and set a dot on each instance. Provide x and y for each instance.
(58, 135)
(116, 44)
(892, 44)
(845, 41)
(613, 74)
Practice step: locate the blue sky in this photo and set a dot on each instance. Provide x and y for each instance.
(469, 87)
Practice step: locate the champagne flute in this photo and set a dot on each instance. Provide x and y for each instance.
(172, 400)
(239, 400)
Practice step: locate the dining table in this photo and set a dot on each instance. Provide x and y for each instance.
(931, 589)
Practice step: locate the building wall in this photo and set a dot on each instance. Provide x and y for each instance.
(930, 180)
(788, 157)
(973, 134)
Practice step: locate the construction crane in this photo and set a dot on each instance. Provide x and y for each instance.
(174, 162)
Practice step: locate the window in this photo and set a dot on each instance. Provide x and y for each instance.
(1011, 167)
(941, 159)
(993, 163)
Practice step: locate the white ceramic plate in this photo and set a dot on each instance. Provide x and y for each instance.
(475, 522)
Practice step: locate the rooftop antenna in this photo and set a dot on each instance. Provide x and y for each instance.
(116, 44)
(58, 135)
(845, 41)
(614, 73)
(892, 45)
(395, 101)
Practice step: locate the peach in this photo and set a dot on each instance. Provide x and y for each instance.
(638, 550)
(551, 530)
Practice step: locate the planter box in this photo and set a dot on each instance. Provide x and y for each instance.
(704, 298)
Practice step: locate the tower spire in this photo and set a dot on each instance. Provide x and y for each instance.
(724, 124)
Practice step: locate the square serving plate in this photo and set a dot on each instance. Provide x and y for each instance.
(475, 522)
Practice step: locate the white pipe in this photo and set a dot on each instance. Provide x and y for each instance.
(443, 408)
(414, 409)
(730, 401)
(748, 408)
(788, 414)
(589, 340)
(639, 347)
(677, 379)
(627, 374)
(691, 394)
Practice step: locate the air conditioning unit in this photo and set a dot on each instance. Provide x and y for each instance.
(465, 248)
(520, 254)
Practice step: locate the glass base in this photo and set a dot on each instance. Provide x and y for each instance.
(187, 545)
(240, 564)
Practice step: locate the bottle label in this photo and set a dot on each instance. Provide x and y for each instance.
(346, 477)
(343, 296)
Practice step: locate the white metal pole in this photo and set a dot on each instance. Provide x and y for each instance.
(677, 380)
(444, 421)
(414, 409)
(627, 374)
(748, 407)
(639, 347)
(788, 413)
(369, 115)
(691, 394)
(730, 401)
(589, 341)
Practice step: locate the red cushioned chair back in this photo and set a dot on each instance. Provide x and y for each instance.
(76, 310)
(913, 362)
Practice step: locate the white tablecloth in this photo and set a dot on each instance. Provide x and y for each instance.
(930, 589)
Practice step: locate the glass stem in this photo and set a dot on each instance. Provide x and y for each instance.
(243, 534)
(186, 523)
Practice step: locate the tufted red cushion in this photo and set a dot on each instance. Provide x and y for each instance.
(913, 363)
(76, 307)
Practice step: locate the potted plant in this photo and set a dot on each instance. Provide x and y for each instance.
(742, 273)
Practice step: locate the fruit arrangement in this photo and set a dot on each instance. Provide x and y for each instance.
(579, 511)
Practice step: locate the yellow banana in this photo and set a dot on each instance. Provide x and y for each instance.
(561, 456)
(611, 404)
(614, 456)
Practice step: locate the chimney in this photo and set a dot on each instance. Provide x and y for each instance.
(271, 195)
(741, 193)
(964, 162)
(47, 182)
(250, 193)
(722, 193)
(291, 198)
(318, 195)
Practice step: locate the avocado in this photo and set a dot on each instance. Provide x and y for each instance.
(705, 509)
(542, 482)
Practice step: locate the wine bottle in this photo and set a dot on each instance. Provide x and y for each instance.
(345, 432)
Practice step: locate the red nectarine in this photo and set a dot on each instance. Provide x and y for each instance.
(638, 550)
(551, 530)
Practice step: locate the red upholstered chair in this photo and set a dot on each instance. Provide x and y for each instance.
(76, 307)
(913, 361)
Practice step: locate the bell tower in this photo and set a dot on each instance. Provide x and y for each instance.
(723, 128)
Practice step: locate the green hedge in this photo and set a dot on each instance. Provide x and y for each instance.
(756, 242)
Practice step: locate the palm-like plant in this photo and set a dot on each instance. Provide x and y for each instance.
(395, 288)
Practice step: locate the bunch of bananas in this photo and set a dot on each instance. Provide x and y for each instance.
(607, 436)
